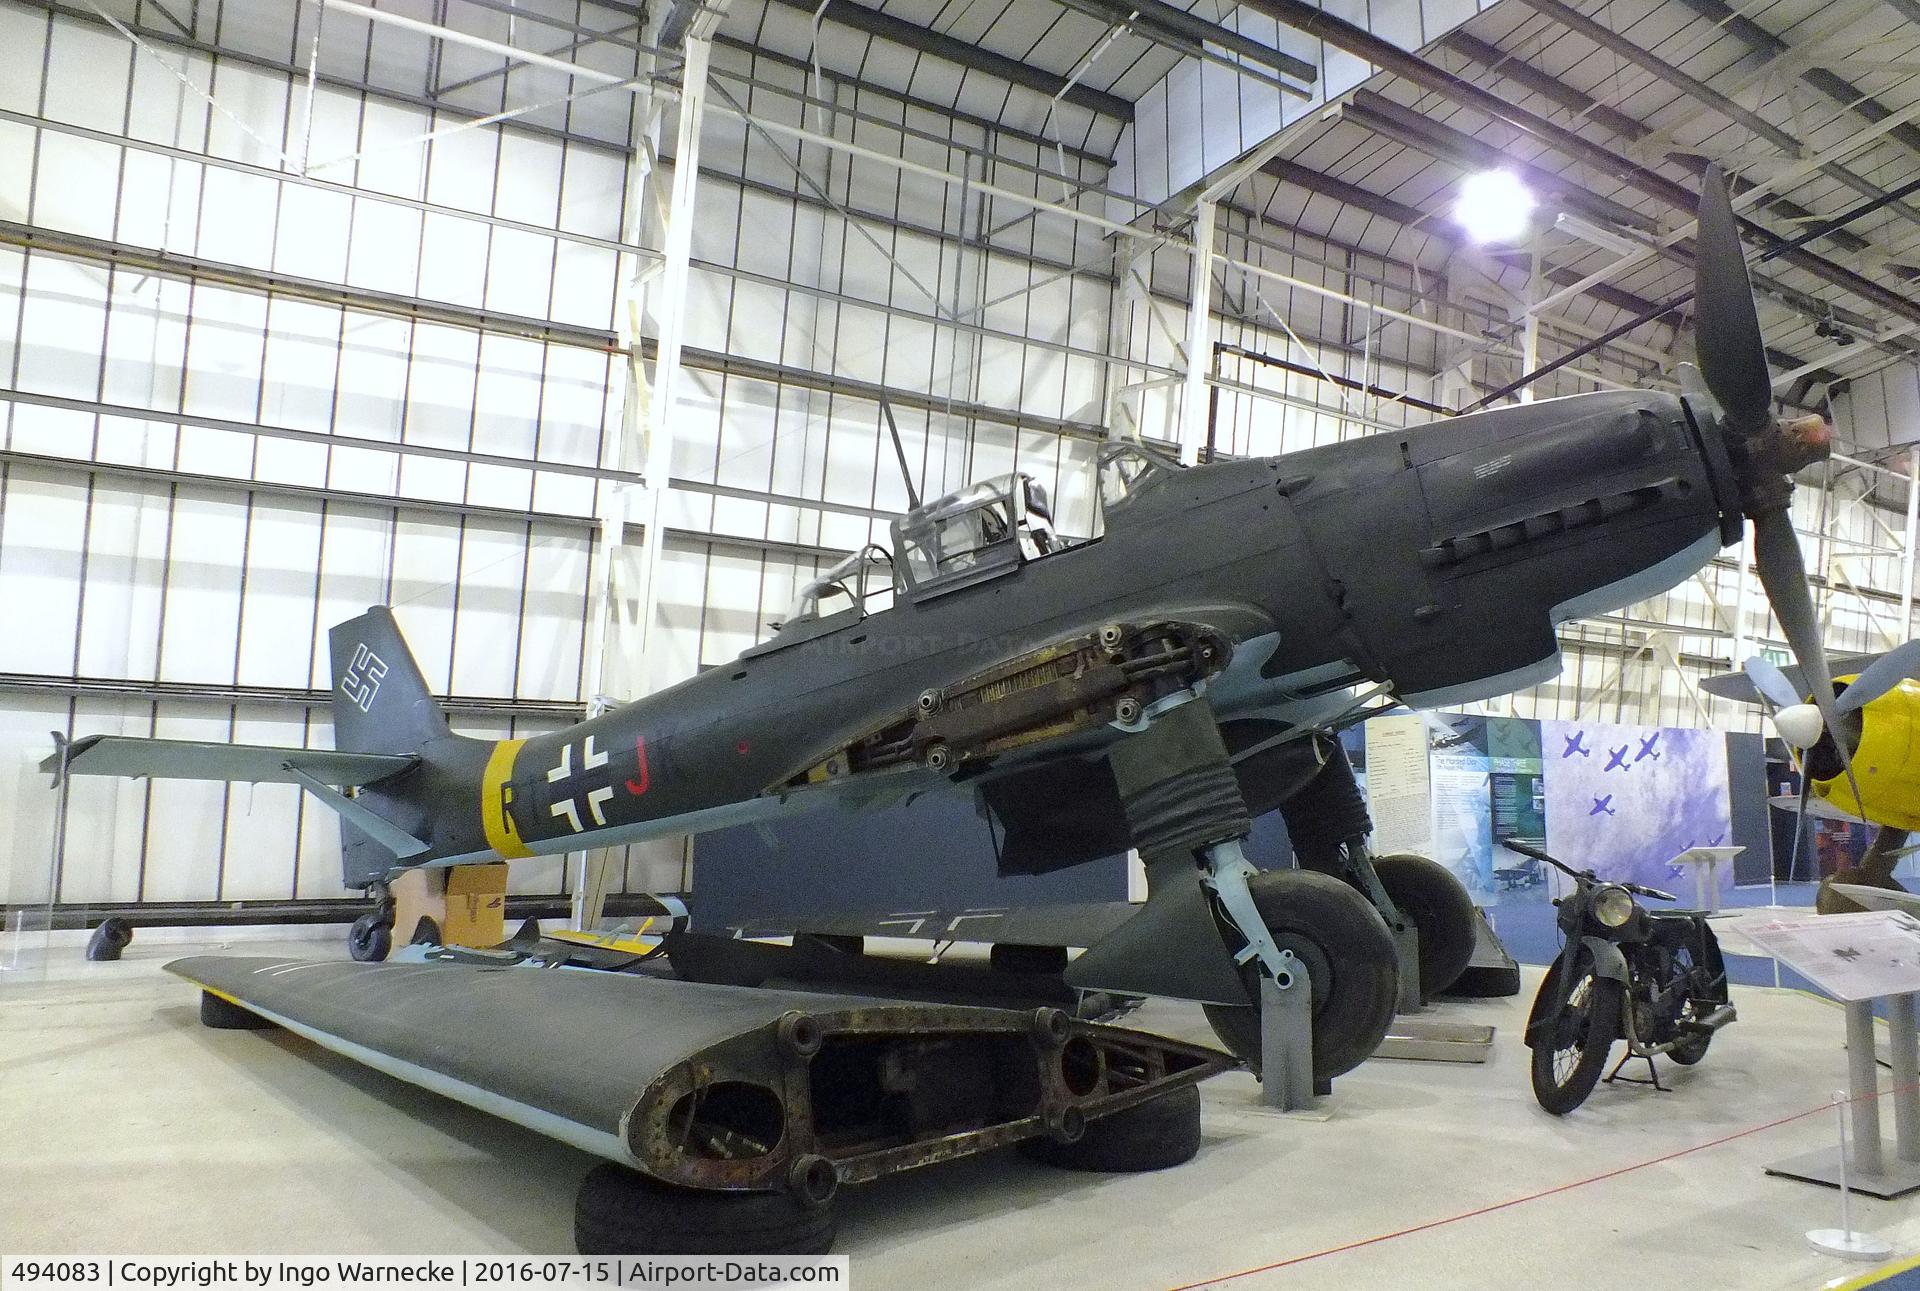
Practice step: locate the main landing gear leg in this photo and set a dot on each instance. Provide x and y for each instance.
(1216, 929)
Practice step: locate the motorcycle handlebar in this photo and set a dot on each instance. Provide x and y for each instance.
(1526, 849)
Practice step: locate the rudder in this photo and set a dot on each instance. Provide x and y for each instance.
(381, 703)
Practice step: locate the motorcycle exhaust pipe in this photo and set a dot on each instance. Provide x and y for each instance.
(1716, 1019)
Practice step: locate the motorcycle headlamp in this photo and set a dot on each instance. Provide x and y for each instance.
(1613, 906)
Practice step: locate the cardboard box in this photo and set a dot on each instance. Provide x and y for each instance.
(468, 902)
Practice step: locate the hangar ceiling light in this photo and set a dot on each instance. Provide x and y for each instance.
(1493, 206)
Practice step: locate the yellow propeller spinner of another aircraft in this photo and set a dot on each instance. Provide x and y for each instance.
(1867, 770)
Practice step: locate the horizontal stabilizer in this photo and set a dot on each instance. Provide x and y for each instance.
(1737, 686)
(126, 755)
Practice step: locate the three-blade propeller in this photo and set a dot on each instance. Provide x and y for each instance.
(1801, 724)
(1765, 449)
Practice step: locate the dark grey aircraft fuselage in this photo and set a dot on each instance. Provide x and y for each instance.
(1437, 560)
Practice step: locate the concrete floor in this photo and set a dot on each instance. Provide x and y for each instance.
(129, 1128)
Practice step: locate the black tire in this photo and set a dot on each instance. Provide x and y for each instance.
(1568, 1061)
(224, 1015)
(113, 935)
(1153, 1136)
(1349, 956)
(370, 938)
(621, 1212)
(426, 932)
(1440, 909)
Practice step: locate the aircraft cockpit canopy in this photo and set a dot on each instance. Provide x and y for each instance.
(1128, 470)
(836, 598)
(978, 533)
(843, 587)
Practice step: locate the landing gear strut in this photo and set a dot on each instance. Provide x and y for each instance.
(1215, 926)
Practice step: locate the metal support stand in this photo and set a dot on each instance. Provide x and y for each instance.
(1286, 1038)
(1427, 1039)
(1653, 1074)
(1406, 945)
(1866, 1167)
(1845, 1241)
(1903, 1040)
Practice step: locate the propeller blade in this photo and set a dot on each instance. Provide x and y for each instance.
(1726, 326)
(1881, 676)
(1771, 682)
(1776, 556)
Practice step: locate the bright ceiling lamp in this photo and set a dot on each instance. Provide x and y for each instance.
(1493, 206)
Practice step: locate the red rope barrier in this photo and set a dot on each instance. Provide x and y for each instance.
(1519, 1201)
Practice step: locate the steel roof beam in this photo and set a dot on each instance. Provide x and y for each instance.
(1154, 17)
(898, 31)
(1836, 88)
(1364, 44)
(1517, 69)
(1291, 172)
(1444, 143)
(1699, 91)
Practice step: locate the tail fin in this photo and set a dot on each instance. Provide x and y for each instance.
(381, 703)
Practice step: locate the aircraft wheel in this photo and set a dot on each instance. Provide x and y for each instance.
(224, 1015)
(622, 1212)
(112, 936)
(1349, 956)
(1153, 1136)
(371, 937)
(1440, 909)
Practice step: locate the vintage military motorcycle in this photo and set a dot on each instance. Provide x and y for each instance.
(1653, 978)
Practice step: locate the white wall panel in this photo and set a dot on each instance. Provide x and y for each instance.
(277, 610)
(62, 325)
(186, 820)
(42, 536)
(106, 819)
(27, 804)
(356, 546)
(493, 570)
(126, 571)
(262, 821)
(201, 608)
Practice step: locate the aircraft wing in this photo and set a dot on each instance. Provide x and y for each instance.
(123, 755)
(1077, 924)
(1815, 807)
(1737, 686)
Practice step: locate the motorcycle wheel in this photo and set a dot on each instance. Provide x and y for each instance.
(1564, 1074)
